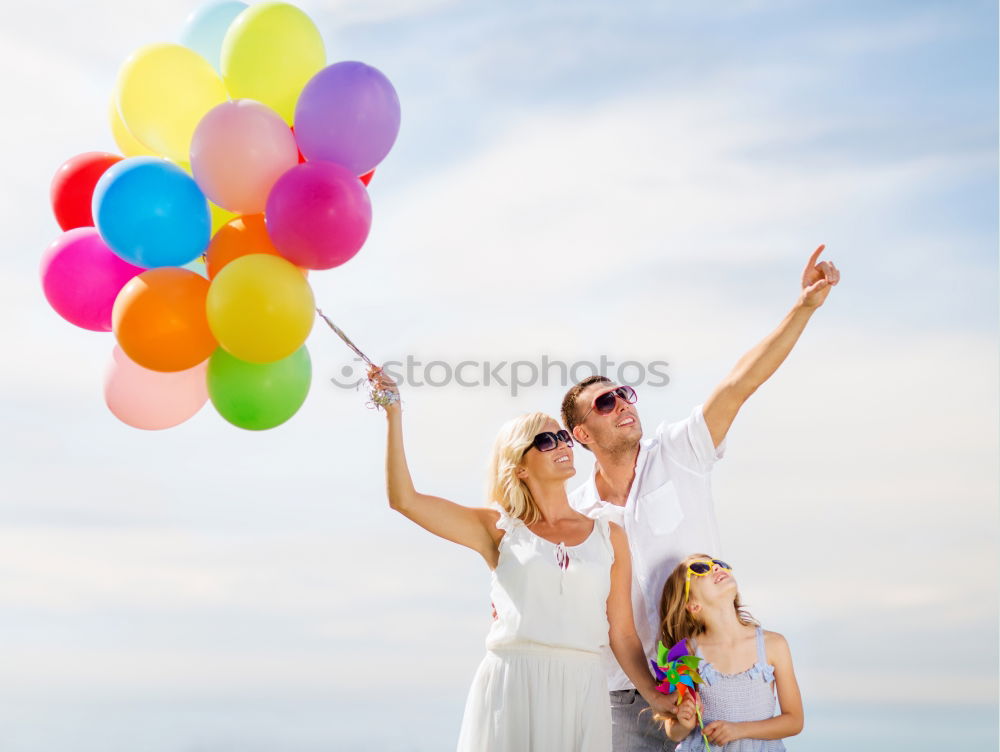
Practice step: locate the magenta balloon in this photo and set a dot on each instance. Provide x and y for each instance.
(153, 400)
(318, 215)
(81, 278)
(239, 149)
(348, 113)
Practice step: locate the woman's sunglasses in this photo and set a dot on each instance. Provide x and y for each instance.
(700, 568)
(546, 441)
(604, 403)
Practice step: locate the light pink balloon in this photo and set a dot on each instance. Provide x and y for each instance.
(240, 148)
(81, 278)
(153, 400)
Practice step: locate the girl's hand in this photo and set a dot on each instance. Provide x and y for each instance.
(382, 382)
(722, 732)
(686, 715)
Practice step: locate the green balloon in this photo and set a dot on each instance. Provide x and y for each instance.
(258, 396)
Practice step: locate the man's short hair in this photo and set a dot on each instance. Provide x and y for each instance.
(570, 414)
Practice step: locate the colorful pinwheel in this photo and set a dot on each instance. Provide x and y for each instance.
(677, 671)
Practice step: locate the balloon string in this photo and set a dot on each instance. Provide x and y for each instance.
(379, 397)
(347, 340)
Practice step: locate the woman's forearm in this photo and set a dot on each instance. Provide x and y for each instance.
(625, 643)
(399, 484)
(631, 657)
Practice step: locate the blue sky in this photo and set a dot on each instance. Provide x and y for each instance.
(642, 180)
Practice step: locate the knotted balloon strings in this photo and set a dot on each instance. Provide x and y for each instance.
(377, 397)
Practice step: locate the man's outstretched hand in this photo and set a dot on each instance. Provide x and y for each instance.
(817, 279)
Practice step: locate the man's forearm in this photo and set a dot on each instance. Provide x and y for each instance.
(760, 363)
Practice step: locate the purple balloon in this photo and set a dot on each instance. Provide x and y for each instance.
(318, 215)
(81, 278)
(348, 113)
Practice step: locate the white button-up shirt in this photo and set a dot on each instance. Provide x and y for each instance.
(668, 514)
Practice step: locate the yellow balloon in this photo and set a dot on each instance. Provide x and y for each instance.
(162, 92)
(127, 143)
(260, 308)
(220, 216)
(270, 52)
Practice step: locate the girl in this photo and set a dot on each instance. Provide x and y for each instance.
(541, 686)
(701, 604)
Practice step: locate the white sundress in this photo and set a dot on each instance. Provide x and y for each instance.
(541, 686)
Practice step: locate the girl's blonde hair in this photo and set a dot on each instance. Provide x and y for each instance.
(676, 622)
(503, 485)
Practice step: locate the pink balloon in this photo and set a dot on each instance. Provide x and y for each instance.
(153, 400)
(81, 278)
(239, 149)
(318, 215)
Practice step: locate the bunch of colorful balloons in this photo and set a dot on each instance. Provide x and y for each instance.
(245, 160)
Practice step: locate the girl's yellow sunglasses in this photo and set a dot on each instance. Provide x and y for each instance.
(700, 568)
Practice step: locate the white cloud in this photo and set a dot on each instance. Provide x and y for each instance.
(566, 198)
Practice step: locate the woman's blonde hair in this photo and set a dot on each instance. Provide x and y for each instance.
(503, 485)
(676, 622)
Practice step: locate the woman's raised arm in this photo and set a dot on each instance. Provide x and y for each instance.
(473, 528)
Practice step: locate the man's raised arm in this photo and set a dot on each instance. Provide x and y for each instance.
(756, 366)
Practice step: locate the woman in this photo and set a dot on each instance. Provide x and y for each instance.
(559, 580)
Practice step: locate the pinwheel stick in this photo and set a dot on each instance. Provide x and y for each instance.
(701, 724)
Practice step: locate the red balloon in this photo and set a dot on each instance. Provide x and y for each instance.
(73, 187)
(301, 158)
(366, 178)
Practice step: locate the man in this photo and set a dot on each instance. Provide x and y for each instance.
(659, 489)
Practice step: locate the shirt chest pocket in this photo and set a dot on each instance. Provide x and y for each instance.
(662, 509)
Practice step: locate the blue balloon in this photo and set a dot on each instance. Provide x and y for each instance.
(206, 27)
(151, 213)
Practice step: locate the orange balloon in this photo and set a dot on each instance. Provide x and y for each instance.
(239, 237)
(160, 322)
